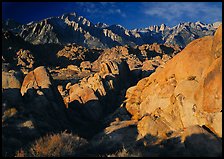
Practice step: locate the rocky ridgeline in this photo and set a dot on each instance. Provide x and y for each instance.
(72, 28)
(25, 60)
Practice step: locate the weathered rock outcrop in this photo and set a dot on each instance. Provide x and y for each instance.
(142, 60)
(11, 79)
(41, 94)
(36, 79)
(11, 84)
(25, 60)
(75, 54)
(85, 65)
(93, 94)
(185, 92)
(83, 99)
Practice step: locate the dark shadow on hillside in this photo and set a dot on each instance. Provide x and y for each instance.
(93, 112)
(86, 117)
(104, 143)
(33, 117)
(63, 61)
(167, 50)
(195, 145)
(50, 117)
(45, 54)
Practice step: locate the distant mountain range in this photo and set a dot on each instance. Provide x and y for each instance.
(72, 28)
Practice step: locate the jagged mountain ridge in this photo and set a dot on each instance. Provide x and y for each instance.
(72, 28)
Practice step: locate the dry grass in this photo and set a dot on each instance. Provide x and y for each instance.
(56, 145)
(124, 153)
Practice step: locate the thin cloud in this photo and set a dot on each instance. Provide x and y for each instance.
(107, 3)
(172, 11)
(116, 11)
(84, 4)
(100, 9)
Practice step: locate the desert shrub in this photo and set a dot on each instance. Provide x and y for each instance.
(54, 145)
(125, 153)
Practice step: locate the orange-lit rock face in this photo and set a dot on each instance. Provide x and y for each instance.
(83, 95)
(217, 43)
(25, 58)
(35, 79)
(212, 87)
(210, 92)
(187, 90)
(9, 80)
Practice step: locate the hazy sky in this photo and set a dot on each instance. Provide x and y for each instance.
(129, 14)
